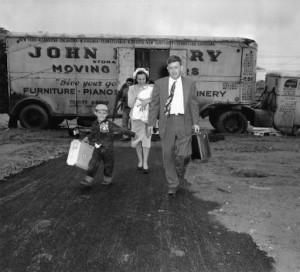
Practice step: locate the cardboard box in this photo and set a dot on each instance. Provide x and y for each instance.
(80, 154)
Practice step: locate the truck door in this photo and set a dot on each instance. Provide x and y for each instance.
(125, 67)
(183, 55)
(285, 117)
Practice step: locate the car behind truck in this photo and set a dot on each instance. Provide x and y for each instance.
(51, 78)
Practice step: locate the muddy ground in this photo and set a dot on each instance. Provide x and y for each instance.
(255, 178)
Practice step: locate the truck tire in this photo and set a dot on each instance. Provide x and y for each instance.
(233, 122)
(34, 117)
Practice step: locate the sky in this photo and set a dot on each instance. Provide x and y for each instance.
(273, 24)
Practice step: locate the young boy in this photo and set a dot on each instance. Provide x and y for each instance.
(103, 133)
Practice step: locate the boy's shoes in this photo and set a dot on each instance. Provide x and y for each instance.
(87, 182)
(172, 191)
(106, 180)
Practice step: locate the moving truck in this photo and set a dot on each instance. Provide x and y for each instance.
(55, 77)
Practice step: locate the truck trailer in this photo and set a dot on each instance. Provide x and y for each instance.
(53, 77)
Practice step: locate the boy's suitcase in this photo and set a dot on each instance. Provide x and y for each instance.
(200, 146)
(80, 153)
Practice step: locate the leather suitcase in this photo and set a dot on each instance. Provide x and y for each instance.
(80, 153)
(200, 146)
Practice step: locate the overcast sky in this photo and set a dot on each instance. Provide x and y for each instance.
(273, 24)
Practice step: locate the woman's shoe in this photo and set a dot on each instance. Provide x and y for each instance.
(145, 171)
(140, 168)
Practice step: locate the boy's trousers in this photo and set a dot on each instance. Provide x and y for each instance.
(104, 154)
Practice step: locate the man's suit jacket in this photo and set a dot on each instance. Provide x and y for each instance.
(159, 97)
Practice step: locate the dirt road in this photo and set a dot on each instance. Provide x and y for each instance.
(50, 224)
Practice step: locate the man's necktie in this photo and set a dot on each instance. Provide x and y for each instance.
(169, 100)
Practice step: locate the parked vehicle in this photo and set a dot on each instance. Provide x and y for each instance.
(55, 77)
(279, 105)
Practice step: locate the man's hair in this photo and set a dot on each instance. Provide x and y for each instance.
(173, 58)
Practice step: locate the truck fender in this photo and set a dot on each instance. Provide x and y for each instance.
(27, 101)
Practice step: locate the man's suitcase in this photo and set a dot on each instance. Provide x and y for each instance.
(200, 146)
(80, 153)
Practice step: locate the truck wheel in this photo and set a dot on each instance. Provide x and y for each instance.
(34, 117)
(232, 122)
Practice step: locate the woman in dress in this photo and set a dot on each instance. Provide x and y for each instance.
(139, 97)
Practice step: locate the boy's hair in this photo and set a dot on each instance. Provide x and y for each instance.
(174, 58)
(101, 107)
(130, 79)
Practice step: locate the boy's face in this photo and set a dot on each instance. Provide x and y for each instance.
(100, 113)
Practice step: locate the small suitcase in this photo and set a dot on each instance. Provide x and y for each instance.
(200, 146)
(80, 153)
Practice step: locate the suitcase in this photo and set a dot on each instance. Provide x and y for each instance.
(80, 153)
(200, 146)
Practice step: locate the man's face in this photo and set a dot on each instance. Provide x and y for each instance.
(101, 114)
(174, 70)
(129, 83)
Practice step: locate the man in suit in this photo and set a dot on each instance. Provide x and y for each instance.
(174, 101)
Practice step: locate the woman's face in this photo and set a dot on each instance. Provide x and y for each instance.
(141, 79)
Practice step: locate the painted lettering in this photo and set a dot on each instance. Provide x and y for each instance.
(53, 52)
(68, 82)
(196, 54)
(98, 91)
(37, 91)
(193, 72)
(92, 83)
(37, 52)
(70, 52)
(208, 93)
(213, 55)
(88, 53)
(80, 68)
